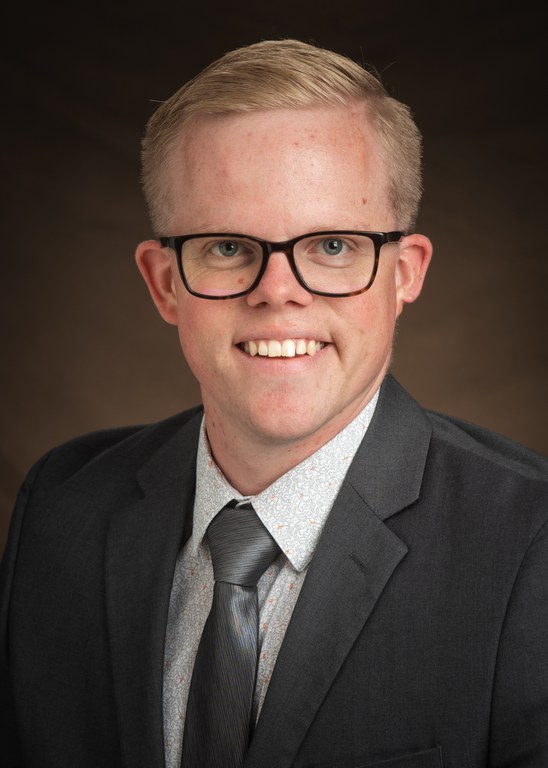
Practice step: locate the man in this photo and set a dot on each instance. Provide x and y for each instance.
(403, 621)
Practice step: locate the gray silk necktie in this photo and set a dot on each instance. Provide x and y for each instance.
(218, 722)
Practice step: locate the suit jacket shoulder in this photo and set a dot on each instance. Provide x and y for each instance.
(487, 446)
(128, 446)
(491, 477)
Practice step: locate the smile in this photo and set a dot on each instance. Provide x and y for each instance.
(283, 348)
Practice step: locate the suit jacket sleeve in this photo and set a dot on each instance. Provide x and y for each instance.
(9, 741)
(519, 734)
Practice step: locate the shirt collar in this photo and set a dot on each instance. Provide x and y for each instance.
(295, 507)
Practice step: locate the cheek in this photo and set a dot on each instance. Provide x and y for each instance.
(366, 334)
(372, 319)
(193, 330)
(203, 334)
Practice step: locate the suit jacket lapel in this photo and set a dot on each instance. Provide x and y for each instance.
(143, 542)
(355, 557)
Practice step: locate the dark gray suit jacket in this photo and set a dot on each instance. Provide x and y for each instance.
(420, 637)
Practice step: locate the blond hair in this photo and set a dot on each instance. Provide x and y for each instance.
(284, 74)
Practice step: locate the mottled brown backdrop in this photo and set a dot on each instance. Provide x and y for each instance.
(83, 348)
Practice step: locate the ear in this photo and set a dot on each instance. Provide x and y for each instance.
(156, 264)
(414, 254)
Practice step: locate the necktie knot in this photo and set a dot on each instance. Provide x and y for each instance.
(241, 547)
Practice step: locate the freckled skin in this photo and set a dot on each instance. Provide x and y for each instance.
(276, 175)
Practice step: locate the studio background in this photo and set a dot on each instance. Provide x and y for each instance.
(83, 347)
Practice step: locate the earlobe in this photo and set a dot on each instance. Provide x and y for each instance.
(415, 252)
(156, 266)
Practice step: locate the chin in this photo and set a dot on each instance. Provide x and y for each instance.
(282, 427)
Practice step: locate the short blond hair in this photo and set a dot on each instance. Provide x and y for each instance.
(284, 74)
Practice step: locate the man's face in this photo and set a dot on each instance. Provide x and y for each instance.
(275, 175)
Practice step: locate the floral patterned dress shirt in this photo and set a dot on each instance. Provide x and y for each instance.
(294, 510)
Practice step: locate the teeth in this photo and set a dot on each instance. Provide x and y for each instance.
(284, 348)
(288, 348)
(274, 349)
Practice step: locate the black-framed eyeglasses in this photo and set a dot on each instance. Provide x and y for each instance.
(225, 265)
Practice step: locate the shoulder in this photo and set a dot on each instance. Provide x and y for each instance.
(128, 446)
(494, 482)
(457, 468)
(94, 476)
(418, 437)
(487, 450)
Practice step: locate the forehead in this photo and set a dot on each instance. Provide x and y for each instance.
(314, 159)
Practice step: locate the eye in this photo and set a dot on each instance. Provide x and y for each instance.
(228, 247)
(332, 246)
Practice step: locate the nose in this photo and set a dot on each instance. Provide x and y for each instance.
(278, 285)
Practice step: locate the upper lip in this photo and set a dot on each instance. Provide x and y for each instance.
(280, 335)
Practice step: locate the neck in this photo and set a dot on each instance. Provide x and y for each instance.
(250, 468)
(251, 461)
